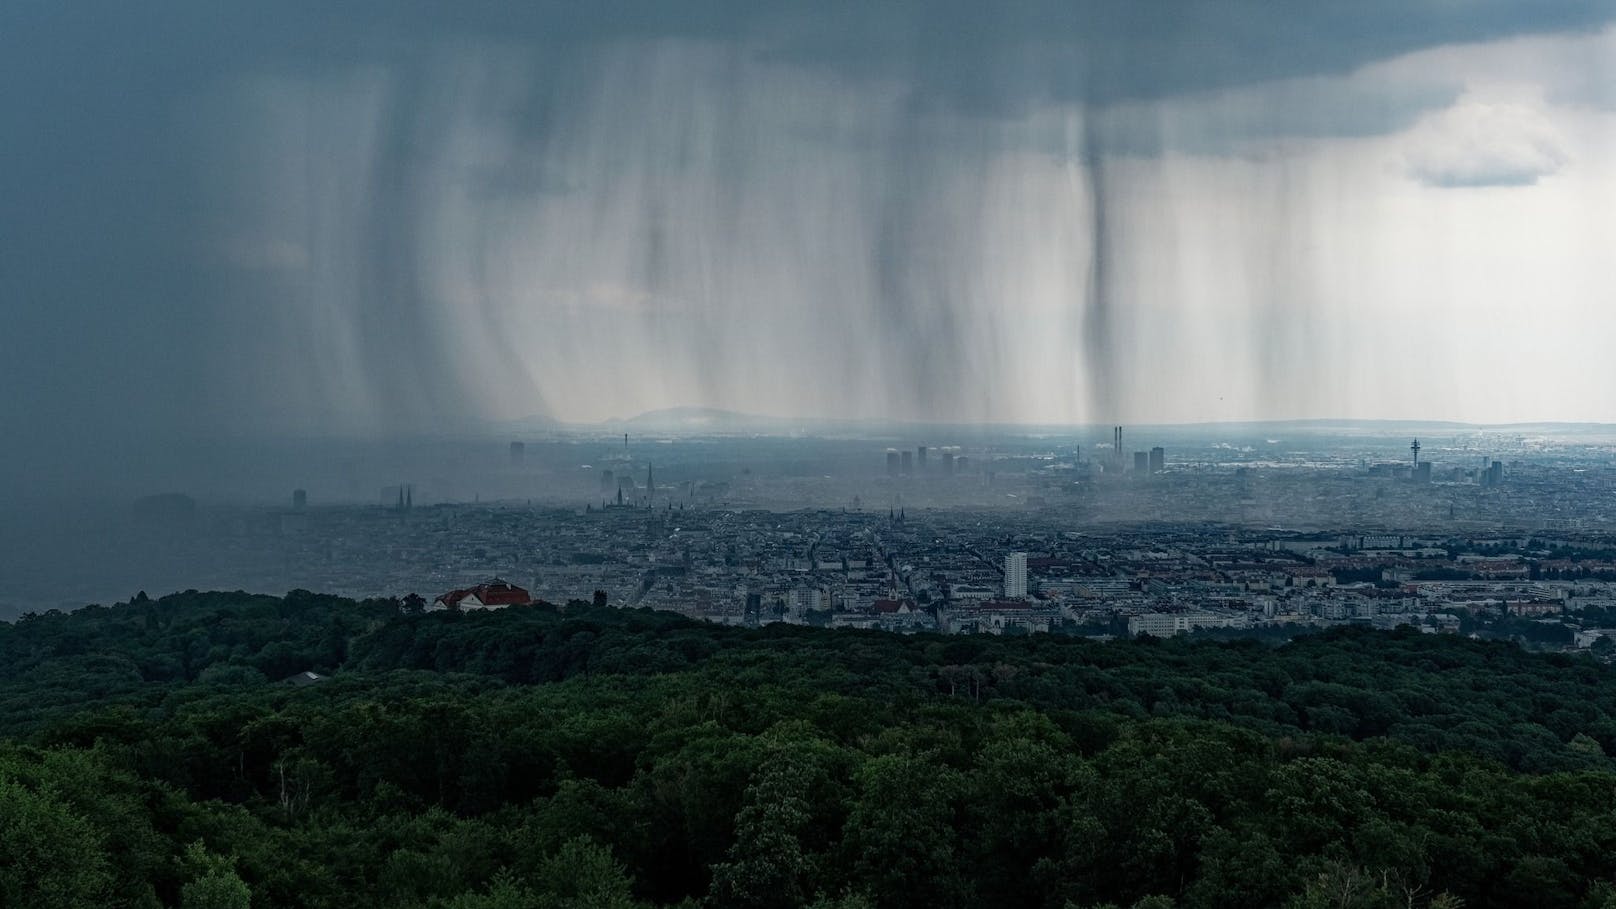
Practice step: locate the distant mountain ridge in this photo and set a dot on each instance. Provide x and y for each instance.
(714, 417)
(698, 418)
(688, 412)
(695, 418)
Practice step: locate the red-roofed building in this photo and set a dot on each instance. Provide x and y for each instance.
(490, 594)
(450, 600)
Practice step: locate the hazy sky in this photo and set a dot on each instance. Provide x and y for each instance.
(377, 217)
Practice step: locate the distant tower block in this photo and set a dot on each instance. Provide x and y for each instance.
(920, 459)
(518, 453)
(892, 462)
(1158, 459)
(608, 482)
(1015, 575)
(908, 461)
(948, 463)
(300, 499)
(1141, 462)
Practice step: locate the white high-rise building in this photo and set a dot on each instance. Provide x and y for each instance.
(1015, 575)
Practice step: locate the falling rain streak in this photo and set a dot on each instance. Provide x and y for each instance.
(382, 219)
(678, 222)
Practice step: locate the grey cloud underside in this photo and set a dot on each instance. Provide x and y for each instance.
(959, 52)
(104, 156)
(1474, 179)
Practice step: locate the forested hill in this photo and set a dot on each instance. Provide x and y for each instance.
(584, 756)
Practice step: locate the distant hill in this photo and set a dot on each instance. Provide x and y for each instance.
(695, 418)
(532, 423)
(699, 418)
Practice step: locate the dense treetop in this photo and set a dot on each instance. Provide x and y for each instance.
(588, 756)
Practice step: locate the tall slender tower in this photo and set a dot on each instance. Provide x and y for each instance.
(1015, 575)
(1416, 449)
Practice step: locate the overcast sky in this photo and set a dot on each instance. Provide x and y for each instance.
(383, 217)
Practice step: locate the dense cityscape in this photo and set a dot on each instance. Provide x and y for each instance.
(1487, 532)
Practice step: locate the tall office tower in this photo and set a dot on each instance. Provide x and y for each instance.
(962, 464)
(908, 462)
(1158, 459)
(1015, 575)
(1495, 473)
(920, 459)
(608, 482)
(518, 453)
(1141, 461)
(948, 463)
(300, 499)
(892, 462)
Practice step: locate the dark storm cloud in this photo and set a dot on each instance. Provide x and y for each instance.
(1002, 55)
(112, 326)
(961, 51)
(1311, 107)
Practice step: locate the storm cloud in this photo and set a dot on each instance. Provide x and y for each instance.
(382, 217)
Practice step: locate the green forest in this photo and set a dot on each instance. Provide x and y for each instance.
(154, 754)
